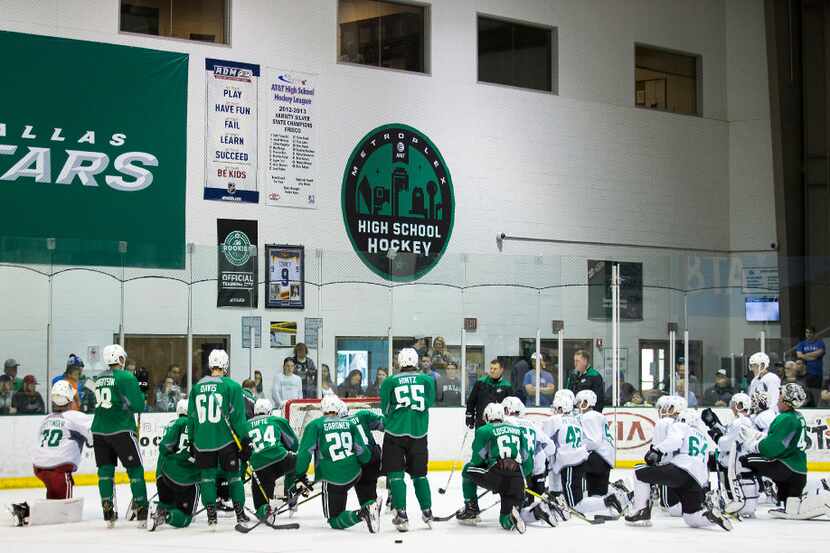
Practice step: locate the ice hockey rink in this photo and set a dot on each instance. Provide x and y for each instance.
(667, 534)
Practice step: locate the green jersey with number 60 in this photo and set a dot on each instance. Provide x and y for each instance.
(501, 440)
(338, 449)
(787, 441)
(174, 455)
(367, 421)
(405, 399)
(215, 403)
(117, 399)
(271, 439)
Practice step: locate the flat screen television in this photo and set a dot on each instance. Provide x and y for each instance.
(762, 310)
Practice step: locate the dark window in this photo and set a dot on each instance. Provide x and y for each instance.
(382, 34)
(515, 54)
(202, 20)
(666, 80)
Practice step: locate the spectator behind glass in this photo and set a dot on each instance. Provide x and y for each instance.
(10, 369)
(585, 377)
(720, 393)
(449, 388)
(175, 372)
(326, 389)
(425, 363)
(258, 380)
(681, 391)
(28, 401)
(637, 400)
(249, 395)
(6, 396)
(130, 366)
(72, 374)
(373, 390)
(811, 350)
(626, 391)
(420, 346)
(546, 385)
(353, 387)
(167, 395)
(439, 355)
(305, 369)
(287, 386)
(794, 374)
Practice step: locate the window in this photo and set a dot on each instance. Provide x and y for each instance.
(202, 20)
(516, 54)
(666, 81)
(382, 34)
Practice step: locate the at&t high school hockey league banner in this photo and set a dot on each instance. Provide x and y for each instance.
(237, 286)
(231, 131)
(290, 137)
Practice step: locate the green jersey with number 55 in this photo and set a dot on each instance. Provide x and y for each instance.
(271, 439)
(338, 449)
(501, 440)
(215, 404)
(117, 399)
(405, 399)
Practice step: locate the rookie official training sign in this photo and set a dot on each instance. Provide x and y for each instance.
(398, 203)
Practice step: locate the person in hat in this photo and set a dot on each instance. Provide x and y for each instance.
(72, 374)
(28, 401)
(6, 395)
(10, 369)
(719, 394)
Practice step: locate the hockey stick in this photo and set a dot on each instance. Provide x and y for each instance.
(443, 490)
(253, 472)
(284, 507)
(245, 529)
(571, 510)
(452, 516)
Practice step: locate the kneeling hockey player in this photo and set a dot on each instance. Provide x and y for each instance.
(366, 421)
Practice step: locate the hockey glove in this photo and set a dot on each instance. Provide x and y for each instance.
(246, 451)
(653, 457)
(715, 434)
(303, 486)
(709, 418)
(471, 420)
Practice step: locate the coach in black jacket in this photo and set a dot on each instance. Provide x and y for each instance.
(491, 388)
(585, 377)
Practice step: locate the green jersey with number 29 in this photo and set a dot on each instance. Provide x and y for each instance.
(405, 399)
(338, 449)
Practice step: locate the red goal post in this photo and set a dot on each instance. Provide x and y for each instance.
(300, 412)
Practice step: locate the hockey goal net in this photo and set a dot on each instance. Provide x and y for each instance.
(300, 412)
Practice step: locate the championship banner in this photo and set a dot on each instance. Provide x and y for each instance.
(599, 290)
(231, 131)
(290, 136)
(92, 153)
(237, 263)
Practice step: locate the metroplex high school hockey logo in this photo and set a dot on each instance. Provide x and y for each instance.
(398, 202)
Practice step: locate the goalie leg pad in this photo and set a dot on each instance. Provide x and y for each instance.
(56, 511)
(810, 506)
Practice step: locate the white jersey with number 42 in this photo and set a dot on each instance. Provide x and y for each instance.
(61, 439)
(566, 433)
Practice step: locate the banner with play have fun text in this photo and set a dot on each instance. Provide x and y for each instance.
(92, 153)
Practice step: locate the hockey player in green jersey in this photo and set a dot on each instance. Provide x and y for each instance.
(339, 453)
(500, 462)
(218, 434)
(117, 398)
(405, 399)
(366, 422)
(274, 446)
(176, 475)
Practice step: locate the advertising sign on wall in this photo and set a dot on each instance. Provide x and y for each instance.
(92, 153)
(231, 131)
(237, 265)
(398, 203)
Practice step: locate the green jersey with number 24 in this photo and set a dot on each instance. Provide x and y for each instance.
(405, 399)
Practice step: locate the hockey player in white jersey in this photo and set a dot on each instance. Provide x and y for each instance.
(61, 438)
(741, 485)
(668, 409)
(764, 380)
(686, 472)
(763, 412)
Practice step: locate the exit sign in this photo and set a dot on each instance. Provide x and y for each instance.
(470, 324)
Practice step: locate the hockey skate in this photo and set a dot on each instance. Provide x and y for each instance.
(540, 513)
(19, 513)
(614, 506)
(241, 517)
(401, 521)
(641, 517)
(469, 514)
(518, 522)
(110, 514)
(157, 519)
(141, 515)
(213, 521)
(426, 516)
(369, 514)
(558, 507)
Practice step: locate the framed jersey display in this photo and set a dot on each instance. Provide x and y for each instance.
(284, 276)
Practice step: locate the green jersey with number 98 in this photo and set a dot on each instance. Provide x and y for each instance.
(405, 399)
(338, 449)
(271, 439)
(117, 399)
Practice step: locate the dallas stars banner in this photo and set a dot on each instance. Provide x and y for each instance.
(237, 286)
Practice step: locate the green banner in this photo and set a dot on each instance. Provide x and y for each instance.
(92, 153)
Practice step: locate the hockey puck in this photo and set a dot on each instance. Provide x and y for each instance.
(398, 541)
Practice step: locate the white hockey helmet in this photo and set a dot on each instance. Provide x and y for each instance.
(563, 404)
(330, 405)
(585, 399)
(114, 354)
(793, 395)
(513, 406)
(263, 406)
(760, 401)
(344, 409)
(674, 406)
(662, 405)
(218, 359)
(407, 357)
(761, 359)
(181, 408)
(493, 412)
(565, 392)
(62, 393)
(741, 402)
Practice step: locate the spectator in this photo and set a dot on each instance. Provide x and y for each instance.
(167, 395)
(373, 390)
(353, 386)
(28, 401)
(130, 366)
(72, 374)
(249, 395)
(626, 391)
(6, 395)
(426, 367)
(811, 350)
(681, 391)
(449, 388)
(287, 386)
(637, 400)
(258, 380)
(719, 394)
(439, 355)
(305, 368)
(519, 370)
(174, 372)
(584, 377)
(491, 388)
(546, 386)
(326, 389)
(420, 346)
(10, 369)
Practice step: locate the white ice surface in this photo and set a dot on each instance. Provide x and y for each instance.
(667, 535)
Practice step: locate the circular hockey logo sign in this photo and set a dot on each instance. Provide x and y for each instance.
(398, 202)
(237, 248)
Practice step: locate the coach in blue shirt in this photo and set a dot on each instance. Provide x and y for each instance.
(811, 351)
